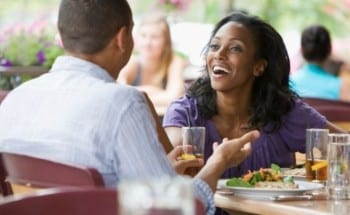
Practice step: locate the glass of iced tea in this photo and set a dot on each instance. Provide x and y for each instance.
(193, 141)
(316, 154)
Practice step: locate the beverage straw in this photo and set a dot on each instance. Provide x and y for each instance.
(188, 114)
(312, 151)
(314, 174)
(188, 117)
(312, 146)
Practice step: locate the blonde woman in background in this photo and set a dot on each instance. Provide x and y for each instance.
(155, 68)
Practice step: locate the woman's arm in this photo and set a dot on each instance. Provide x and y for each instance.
(128, 73)
(334, 128)
(174, 135)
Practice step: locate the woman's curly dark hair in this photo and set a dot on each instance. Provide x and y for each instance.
(271, 95)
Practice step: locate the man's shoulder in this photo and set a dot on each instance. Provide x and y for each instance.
(121, 89)
(122, 93)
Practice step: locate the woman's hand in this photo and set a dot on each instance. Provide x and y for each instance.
(181, 165)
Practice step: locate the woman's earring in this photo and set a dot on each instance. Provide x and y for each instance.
(258, 73)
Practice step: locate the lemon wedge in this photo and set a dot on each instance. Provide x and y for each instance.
(319, 165)
(188, 156)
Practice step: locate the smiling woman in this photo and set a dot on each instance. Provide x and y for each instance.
(245, 86)
(238, 49)
(155, 68)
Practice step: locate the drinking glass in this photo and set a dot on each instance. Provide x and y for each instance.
(316, 154)
(338, 182)
(173, 196)
(193, 141)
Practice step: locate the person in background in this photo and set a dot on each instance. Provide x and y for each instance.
(334, 66)
(245, 86)
(318, 77)
(155, 68)
(76, 113)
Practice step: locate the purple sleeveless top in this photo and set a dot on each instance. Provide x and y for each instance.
(277, 147)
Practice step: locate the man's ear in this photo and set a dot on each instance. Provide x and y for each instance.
(260, 67)
(121, 38)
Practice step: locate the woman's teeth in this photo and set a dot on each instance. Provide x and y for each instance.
(219, 70)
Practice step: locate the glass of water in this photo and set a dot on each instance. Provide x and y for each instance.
(173, 196)
(338, 180)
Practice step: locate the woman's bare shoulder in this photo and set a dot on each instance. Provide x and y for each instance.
(128, 72)
(178, 63)
(132, 63)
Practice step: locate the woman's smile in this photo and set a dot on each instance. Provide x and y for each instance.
(219, 71)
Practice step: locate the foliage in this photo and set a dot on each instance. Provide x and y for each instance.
(283, 15)
(23, 44)
(29, 49)
(297, 14)
(173, 5)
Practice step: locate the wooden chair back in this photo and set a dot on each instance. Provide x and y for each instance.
(58, 201)
(337, 112)
(33, 172)
(72, 201)
(5, 187)
(162, 136)
(16, 169)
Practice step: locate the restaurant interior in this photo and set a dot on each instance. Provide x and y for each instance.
(30, 44)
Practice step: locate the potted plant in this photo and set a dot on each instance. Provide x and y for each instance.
(25, 54)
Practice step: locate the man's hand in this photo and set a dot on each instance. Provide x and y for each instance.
(229, 153)
(234, 151)
(181, 165)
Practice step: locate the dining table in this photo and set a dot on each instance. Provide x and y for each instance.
(234, 204)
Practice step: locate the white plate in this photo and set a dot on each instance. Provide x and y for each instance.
(298, 173)
(266, 193)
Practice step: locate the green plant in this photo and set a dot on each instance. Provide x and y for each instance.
(29, 49)
(26, 48)
(173, 5)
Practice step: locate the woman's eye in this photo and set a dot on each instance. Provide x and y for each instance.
(236, 49)
(213, 47)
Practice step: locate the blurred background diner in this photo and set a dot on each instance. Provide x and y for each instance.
(318, 77)
(155, 67)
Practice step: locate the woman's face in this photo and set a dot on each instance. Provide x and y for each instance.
(151, 40)
(231, 58)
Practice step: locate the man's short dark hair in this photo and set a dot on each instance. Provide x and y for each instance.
(86, 26)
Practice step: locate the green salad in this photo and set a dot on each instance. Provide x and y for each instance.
(273, 174)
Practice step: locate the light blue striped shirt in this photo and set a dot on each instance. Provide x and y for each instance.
(76, 113)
